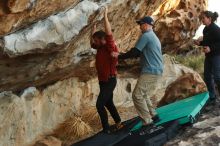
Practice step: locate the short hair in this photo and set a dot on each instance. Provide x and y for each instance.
(212, 15)
(99, 34)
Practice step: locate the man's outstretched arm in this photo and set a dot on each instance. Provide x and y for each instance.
(133, 53)
(108, 28)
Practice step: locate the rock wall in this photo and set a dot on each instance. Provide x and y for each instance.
(38, 112)
(16, 14)
(179, 22)
(47, 66)
(46, 41)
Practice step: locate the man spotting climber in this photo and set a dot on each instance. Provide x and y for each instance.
(106, 61)
(148, 47)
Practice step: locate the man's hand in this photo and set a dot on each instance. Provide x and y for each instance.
(196, 42)
(107, 24)
(105, 11)
(206, 49)
(114, 54)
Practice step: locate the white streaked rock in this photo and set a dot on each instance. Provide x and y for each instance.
(56, 29)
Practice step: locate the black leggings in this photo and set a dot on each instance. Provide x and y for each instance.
(212, 75)
(105, 99)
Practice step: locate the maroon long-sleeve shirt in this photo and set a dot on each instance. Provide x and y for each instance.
(105, 63)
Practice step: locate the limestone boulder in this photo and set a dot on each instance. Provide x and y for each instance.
(16, 6)
(48, 41)
(187, 85)
(46, 62)
(177, 23)
(36, 112)
(16, 14)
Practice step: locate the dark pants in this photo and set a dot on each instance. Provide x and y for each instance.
(212, 74)
(105, 99)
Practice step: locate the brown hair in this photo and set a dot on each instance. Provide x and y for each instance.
(212, 15)
(99, 34)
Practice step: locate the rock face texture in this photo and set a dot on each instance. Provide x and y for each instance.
(17, 14)
(47, 66)
(180, 23)
(35, 112)
(185, 86)
(56, 29)
(37, 52)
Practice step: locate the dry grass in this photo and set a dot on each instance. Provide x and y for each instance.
(72, 129)
(91, 116)
(76, 127)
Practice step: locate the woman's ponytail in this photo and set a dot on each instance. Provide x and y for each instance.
(215, 16)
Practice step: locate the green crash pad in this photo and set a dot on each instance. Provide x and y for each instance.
(184, 111)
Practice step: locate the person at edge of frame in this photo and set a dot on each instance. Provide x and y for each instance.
(211, 47)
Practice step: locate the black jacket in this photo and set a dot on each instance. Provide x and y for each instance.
(211, 38)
